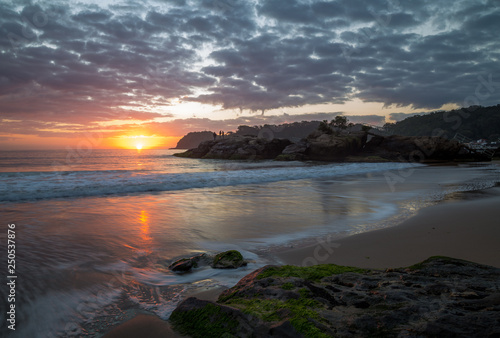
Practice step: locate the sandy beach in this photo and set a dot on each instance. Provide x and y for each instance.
(465, 226)
(467, 229)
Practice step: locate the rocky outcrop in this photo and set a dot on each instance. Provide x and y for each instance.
(413, 148)
(343, 146)
(186, 264)
(238, 148)
(231, 259)
(438, 297)
(326, 147)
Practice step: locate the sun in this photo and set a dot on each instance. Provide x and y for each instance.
(138, 146)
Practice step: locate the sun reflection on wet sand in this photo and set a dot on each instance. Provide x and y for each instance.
(145, 231)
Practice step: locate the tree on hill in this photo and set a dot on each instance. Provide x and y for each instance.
(475, 122)
(335, 125)
(339, 122)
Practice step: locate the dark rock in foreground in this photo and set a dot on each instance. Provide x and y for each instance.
(231, 259)
(186, 264)
(440, 297)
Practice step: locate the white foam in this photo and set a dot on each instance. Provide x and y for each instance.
(48, 185)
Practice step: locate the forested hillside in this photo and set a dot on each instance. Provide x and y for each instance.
(193, 139)
(475, 122)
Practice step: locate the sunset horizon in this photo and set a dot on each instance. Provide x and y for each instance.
(249, 168)
(165, 69)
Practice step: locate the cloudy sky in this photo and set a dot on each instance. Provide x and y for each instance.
(115, 70)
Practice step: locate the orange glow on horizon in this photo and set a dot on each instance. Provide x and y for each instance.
(139, 142)
(85, 144)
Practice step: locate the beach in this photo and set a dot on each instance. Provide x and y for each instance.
(467, 229)
(94, 241)
(464, 226)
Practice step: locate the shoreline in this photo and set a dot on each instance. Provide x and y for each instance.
(466, 229)
(462, 225)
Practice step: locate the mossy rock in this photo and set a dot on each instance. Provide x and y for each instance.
(186, 264)
(231, 259)
(198, 318)
(313, 273)
(330, 300)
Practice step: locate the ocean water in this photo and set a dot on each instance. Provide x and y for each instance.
(95, 232)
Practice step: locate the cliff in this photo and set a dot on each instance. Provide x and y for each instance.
(193, 139)
(440, 297)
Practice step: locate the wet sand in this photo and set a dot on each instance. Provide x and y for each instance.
(143, 326)
(151, 326)
(465, 226)
(467, 229)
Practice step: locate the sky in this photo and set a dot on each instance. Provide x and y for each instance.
(114, 74)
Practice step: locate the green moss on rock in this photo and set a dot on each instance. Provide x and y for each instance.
(422, 264)
(231, 259)
(330, 300)
(208, 321)
(288, 286)
(299, 312)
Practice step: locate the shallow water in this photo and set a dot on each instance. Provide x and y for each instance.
(89, 261)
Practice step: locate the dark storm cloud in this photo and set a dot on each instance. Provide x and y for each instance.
(86, 63)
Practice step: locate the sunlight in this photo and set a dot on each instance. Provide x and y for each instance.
(138, 146)
(144, 229)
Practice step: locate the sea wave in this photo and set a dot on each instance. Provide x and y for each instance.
(24, 186)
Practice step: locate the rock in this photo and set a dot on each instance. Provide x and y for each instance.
(284, 329)
(238, 148)
(334, 148)
(294, 152)
(413, 148)
(438, 297)
(296, 148)
(186, 264)
(199, 152)
(212, 320)
(341, 146)
(231, 259)
(181, 265)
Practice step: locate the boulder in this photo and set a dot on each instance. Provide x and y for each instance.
(181, 265)
(231, 259)
(238, 148)
(414, 148)
(186, 264)
(198, 152)
(439, 297)
(328, 147)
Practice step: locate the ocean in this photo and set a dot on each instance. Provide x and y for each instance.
(95, 232)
